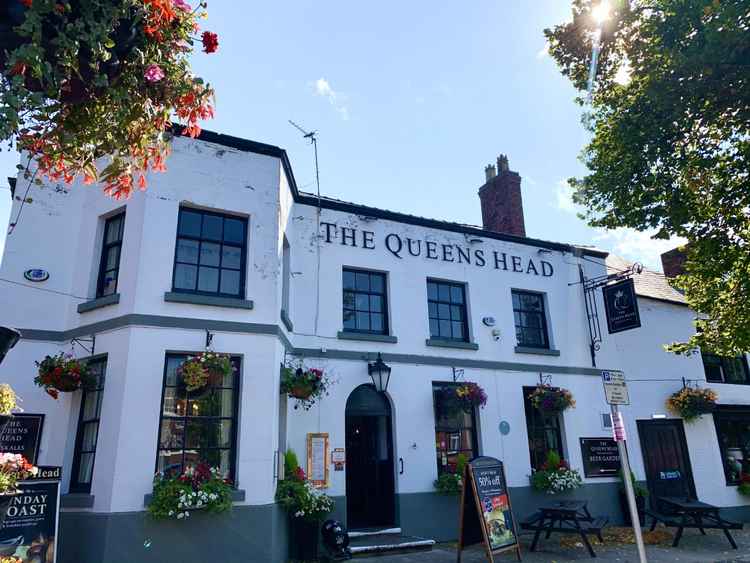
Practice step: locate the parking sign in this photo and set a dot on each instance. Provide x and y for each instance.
(615, 388)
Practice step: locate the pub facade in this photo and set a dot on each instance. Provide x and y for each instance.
(223, 251)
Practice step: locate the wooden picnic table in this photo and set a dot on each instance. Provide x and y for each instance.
(565, 517)
(692, 513)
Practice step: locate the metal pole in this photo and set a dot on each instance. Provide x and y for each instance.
(634, 519)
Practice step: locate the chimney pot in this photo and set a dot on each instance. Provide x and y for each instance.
(500, 196)
(489, 172)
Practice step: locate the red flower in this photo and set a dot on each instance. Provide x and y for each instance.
(210, 42)
(18, 69)
(52, 393)
(26, 3)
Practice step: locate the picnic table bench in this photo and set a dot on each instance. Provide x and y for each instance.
(565, 517)
(691, 513)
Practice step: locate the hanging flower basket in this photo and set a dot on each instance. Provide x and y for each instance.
(459, 399)
(551, 400)
(306, 385)
(207, 368)
(91, 87)
(691, 403)
(62, 373)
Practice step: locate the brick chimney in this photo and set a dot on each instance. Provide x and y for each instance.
(502, 206)
(673, 261)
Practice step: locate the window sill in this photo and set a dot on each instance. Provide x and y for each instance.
(287, 321)
(387, 338)
(98, 303)
(77, 500)
(238, 495)
(212, 300)
(440, 343)
(537, 351)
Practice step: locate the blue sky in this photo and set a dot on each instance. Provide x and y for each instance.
(410, 100)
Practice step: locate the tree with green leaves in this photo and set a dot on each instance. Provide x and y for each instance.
(669, 116)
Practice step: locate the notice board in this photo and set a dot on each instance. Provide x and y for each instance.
(485, 513)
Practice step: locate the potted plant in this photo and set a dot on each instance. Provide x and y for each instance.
(207, 368)
(91, 88)
(551, 400)
(640, 492)
(555, 476)
(62, 373)
(744, 487)
(463, 398)
(196, 488)
(452, 483)
(306, 506)
(13, 468)
(691, 403)
(306, 385)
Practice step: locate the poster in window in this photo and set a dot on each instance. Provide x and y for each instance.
(21, 434)
(621, 306)
(30, 528)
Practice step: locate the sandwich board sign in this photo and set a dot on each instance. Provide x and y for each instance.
(615, 387)
(485, 512)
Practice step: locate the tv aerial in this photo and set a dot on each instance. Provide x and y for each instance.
(314, 141)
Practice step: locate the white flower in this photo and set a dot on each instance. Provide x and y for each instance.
(181, 515)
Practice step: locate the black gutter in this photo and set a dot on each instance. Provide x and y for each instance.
(346, 207)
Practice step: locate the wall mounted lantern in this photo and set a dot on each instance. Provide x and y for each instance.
(380, 373)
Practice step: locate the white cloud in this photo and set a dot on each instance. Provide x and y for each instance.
(637, 246)
(564, 195)
(336, 99)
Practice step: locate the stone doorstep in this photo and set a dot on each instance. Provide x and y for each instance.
(387, 542)
(373, 532)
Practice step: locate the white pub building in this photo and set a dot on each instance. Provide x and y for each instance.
(223, 247)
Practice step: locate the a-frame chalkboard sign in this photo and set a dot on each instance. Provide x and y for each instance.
(485, 514)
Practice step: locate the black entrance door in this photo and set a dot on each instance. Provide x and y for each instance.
(666, 459)
(369, 460)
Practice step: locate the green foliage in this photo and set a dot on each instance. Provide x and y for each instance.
(297, 496)
(452, 483)
(291, 463)
(553, 459)
(670, 147)
(638, 489)
(199, 488)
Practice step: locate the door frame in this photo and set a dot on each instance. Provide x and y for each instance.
(680, 426)
(391, 434)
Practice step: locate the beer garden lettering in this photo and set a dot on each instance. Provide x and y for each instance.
(401, 247)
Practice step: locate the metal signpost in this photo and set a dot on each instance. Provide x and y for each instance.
(616, 393)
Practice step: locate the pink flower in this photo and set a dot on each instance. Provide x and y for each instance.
(153, 73)
(182, 5)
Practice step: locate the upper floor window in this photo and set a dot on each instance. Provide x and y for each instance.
(446, 304)
(210, 255)
(198, 426)
(88, 430)
(723, 369)
(109, 265)
(365, 307)
(530, 319)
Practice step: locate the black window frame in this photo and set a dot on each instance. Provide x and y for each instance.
(221, 242)
(732, 415)
(542, 314)
(721, 363)
(106, 247)
(437, 387)
(538, 424)
(450, 303)
(369, 292)
(236, 388)
(76, 485)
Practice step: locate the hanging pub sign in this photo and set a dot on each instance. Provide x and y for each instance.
(30, 528)
(621, 306)
(21, 434)
(601, 457)
(485, 512)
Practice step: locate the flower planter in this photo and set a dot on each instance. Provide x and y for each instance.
(302, 392)
(304, 537)
(640, 503)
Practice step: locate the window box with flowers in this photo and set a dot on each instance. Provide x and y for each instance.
(691, 404)
(62, 373)
(306, 385)
(551, 400)
(91, 87)
(198, 487)
(555, 476)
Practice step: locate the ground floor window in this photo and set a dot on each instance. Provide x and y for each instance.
(455, 431)
(544, 432)
(733, 431)
(88, 429)
(197, 426)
